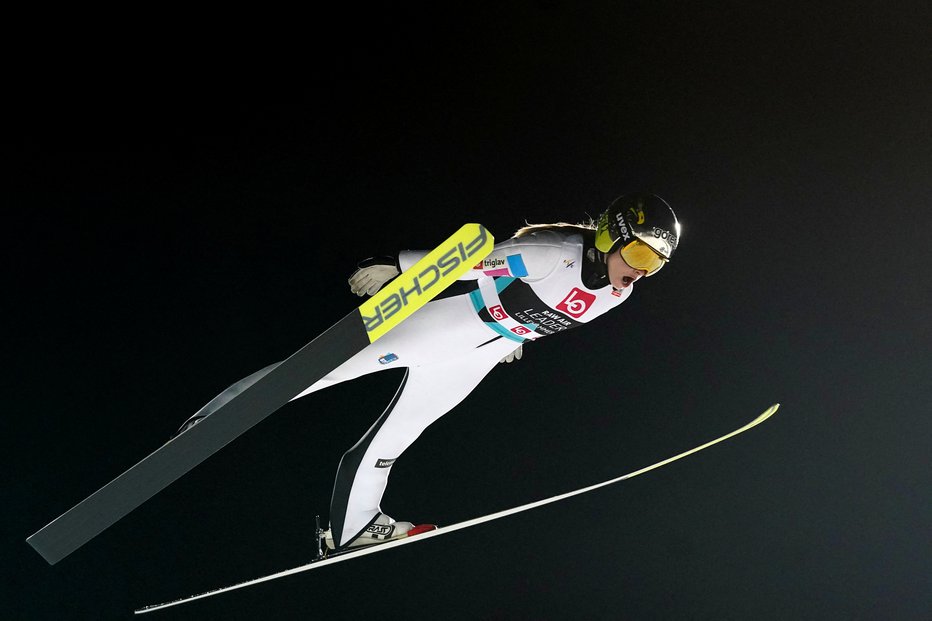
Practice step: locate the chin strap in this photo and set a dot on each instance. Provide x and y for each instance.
(594, 271)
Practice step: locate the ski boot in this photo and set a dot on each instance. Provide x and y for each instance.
(380, 530)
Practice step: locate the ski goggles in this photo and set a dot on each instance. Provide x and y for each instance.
(640, 256)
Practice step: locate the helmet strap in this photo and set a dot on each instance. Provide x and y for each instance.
(594, 254)
(595, 270)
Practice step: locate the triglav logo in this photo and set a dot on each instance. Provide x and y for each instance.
(428, 277)
(576, 303)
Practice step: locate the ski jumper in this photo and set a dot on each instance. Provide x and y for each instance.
(526, 288)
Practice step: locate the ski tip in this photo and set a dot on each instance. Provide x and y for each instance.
(768, 413)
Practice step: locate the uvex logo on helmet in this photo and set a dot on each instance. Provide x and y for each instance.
(622, 227)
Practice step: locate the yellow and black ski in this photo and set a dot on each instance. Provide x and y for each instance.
(364, 325)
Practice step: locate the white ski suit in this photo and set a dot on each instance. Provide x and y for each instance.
(526, 288)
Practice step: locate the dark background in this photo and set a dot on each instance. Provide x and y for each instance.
(187, 203)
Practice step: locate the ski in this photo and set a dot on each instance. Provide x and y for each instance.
(364, 325)
(443, 530)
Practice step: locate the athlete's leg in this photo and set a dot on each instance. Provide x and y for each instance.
(427, 393)
(424, 337)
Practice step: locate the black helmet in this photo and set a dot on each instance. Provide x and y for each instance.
(646, 217)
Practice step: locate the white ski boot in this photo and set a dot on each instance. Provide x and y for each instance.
(382, 529)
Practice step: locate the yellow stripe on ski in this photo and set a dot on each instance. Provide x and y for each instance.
(425, 279)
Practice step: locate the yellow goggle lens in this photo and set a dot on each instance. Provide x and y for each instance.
(640, 256)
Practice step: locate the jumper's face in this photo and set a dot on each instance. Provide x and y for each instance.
(620, 274)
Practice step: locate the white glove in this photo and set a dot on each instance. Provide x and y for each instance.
(369, 279)
(515, 355)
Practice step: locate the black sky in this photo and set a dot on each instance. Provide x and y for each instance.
(184, 215)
